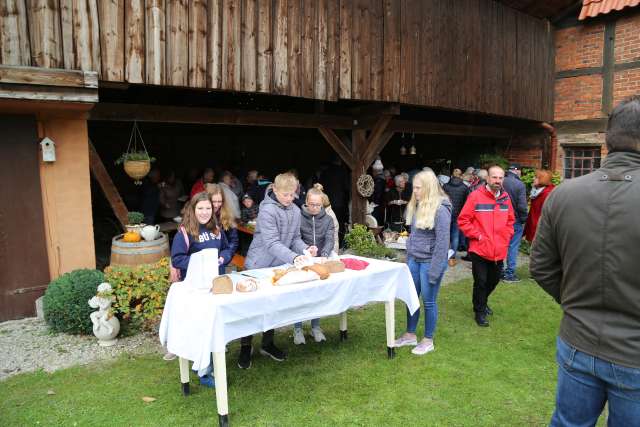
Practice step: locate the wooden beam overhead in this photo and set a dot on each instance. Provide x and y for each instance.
(213, 116)
(339, 147)
(48, 77)
(47, 93)
(432, 128)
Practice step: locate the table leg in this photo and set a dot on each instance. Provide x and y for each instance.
(390, 319)
(220, 374)
(343, 326)
(184, 375)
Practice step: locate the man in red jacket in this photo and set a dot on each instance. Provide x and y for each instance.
(487, 220)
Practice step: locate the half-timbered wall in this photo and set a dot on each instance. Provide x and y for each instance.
(471, 55)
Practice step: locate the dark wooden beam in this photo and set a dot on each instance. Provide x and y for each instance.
(578, 72)
(110, 191)
(608, 61)
(432, 128)
(214, 116)
(375, 143)
(339, 147)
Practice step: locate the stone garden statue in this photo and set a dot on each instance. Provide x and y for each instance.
(105, 325)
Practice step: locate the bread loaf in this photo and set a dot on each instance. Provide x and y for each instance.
(334, 266)
(319, 269)
(247, 285)
(222, 285)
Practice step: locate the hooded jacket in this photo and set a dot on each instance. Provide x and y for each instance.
(317, 230)
(276, 240)
(585, 255)
(488, 223)
(535, 211)
(432, 245)
(458, 193)
(518, 194)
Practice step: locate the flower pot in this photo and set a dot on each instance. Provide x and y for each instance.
(135, 228)
(137, 169)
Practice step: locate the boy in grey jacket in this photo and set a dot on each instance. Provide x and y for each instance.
(276, 241)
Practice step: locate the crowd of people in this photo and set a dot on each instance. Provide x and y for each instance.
(584, 237)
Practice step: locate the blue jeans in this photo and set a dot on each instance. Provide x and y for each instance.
(315, 323)
(514, 248)
(455, 235)
(429, 291)
(586, 382)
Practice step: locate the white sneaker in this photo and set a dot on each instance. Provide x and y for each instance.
(423, 348)
(298, 336)
(318, 335)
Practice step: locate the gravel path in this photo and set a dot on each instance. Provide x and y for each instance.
(27, 345)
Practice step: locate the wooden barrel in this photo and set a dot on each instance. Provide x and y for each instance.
(143, 252)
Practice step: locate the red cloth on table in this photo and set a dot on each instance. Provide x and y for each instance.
(354, 264)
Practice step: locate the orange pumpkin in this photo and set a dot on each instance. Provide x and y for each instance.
(131, 237)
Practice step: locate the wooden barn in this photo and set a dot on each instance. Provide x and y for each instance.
(273, 83)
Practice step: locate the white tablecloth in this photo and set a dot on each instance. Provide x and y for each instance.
(195, 322)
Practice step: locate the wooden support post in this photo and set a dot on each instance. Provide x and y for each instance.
(337, 144)
(358, 203)
(377, 140)
(110, 191)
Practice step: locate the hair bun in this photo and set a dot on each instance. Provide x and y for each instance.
(318, 186)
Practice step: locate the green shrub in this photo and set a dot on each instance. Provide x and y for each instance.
(528, 174)
(140, 292)
(488, 160)
(134, 217)
(65, 302)
(362, 242)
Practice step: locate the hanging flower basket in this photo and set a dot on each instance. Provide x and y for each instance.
(137, 169)
(136, 160)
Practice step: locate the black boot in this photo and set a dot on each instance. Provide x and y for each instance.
(481, 320)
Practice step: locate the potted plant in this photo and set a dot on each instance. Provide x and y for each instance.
(135, 222)
(137, 164)
(361, 241)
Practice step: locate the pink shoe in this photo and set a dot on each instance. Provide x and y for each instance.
(404, 341)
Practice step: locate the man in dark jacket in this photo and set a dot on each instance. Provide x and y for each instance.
(457, 192)
(585, 255)
(518, 194)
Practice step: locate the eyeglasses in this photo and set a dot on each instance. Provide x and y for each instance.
(314, 205)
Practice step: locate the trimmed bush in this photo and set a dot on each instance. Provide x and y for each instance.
(140, 293)
(65, 302)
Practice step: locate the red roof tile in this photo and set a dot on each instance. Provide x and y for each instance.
(592, 8)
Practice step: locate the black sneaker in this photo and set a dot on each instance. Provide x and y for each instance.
(467, 257)
(511, 279)
(244, 360)
(488, 311)
(481, 320)
(273, 352)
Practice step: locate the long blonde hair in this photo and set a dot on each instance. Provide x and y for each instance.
(227, 220)
(432, 197)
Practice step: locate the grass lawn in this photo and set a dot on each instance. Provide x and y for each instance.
(503, 375)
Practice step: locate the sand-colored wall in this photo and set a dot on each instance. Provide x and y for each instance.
(66, 195)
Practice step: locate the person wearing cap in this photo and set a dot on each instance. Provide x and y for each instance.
(518, 195)
(585, 255)
(249, 210)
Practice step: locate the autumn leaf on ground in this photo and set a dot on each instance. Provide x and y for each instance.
(148, 399)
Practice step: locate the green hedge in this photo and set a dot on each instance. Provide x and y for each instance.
(65, 302)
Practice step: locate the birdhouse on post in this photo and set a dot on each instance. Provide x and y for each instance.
(48, 150)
